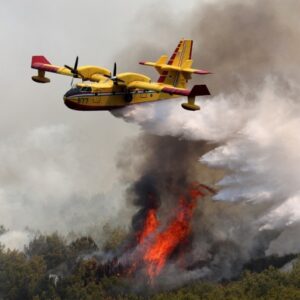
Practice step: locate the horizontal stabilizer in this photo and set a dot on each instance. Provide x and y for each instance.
(147, 63)
(162, 60)
(196, 71)
(187, 64)
(184, 69)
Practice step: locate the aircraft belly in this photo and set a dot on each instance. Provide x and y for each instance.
(109, 102)
(95, 102)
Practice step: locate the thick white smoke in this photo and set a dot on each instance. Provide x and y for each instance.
(259, 145)
(252, 123)
(16, 239)
(50, 182)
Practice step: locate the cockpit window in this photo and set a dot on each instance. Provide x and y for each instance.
(86, 89)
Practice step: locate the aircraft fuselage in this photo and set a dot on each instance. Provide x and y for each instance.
(79, 99)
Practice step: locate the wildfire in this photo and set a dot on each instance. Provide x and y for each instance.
(156, 243)
(150, 226)
(165, 241)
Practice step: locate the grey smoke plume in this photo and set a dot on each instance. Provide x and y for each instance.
(252, 120)
(248, 128)
(47, 184)
(163, 169)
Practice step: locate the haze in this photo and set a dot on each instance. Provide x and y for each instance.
(57, 166)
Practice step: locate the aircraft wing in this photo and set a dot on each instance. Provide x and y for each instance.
(166, 67)
(197, 90)
(92, 73)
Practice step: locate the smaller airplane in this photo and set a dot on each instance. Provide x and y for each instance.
(102, 89)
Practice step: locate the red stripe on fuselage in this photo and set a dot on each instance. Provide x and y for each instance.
(77, 106)
(163, 77)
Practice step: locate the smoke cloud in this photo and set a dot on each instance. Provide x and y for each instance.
(48, 185)
(248, 129)
(244, 142)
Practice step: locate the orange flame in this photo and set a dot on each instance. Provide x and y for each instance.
(158, 245)
(150, 226)
(167, 240)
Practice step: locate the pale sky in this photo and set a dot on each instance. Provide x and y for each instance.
(49, 152)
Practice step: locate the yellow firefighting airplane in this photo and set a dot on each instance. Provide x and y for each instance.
(106, 91)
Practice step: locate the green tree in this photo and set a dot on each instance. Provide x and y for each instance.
(82, 245)
(52, 248)
(113, 237)
(20, 277)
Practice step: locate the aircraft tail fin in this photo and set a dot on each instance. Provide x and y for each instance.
(178, 70)
(181, 54)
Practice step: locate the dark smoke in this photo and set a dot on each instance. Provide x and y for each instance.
(243, 43)
(224, 237)
(163, 168)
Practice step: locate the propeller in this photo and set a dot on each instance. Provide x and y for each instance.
(115, 70)
(113, 76)
(74, 70)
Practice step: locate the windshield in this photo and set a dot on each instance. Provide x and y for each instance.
(86, 89)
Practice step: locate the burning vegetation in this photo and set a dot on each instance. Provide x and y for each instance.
(173, 240)
(51, 268)
(156, 244)
(179, 238)
(159, 244)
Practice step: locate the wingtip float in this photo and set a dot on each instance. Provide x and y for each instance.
(102, 89)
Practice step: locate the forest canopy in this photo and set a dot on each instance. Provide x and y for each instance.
(51, 267)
